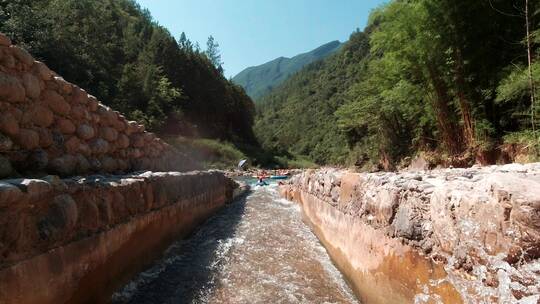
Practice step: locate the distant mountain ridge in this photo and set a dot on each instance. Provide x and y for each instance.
(259, 80)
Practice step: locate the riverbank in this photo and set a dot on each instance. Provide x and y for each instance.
(453, 235)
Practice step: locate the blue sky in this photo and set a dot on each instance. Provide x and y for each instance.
(252, 32)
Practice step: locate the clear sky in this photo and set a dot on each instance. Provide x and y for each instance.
(252, 32)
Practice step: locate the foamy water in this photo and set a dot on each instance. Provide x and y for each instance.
(256, 250)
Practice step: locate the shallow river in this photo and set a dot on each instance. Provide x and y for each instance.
(256, 250)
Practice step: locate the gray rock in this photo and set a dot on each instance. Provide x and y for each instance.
(85, 132)
(99, 146)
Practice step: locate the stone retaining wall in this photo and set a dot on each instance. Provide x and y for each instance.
(455, 235)
(48, 125)
(75, 240)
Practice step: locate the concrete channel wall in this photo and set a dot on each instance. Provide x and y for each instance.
(450, 235)
(75, 240)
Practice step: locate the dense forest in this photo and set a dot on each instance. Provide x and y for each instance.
(454, 80)
(114, 50)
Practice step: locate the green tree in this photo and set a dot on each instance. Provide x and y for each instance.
(213, 53)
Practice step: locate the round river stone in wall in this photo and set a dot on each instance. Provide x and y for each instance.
(99, 146)
(56, 102)
(22, 55)
(8, 124)
(44, 72)
(108, 133)
(85, 132)
(31, 83)
(28, 139)
(40, 115)
(11, 88)
(65, 126)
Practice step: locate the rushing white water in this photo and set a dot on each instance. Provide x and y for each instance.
(256, 250)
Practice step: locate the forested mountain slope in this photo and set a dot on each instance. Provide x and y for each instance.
(259, 80)
(118, 53)
(445, 78)
(298, 116)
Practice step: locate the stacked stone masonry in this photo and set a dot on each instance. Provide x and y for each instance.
(479, 226)
(74, 240)
(50, 125)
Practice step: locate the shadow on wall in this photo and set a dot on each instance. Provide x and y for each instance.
(187, 271)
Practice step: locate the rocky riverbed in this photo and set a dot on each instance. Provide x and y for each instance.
(465, 235)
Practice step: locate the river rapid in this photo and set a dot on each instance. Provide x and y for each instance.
(256, 250)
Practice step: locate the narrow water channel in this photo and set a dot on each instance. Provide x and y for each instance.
(256, 250)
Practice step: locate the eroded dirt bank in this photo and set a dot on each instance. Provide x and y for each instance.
(75, 240)
(455, 235)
